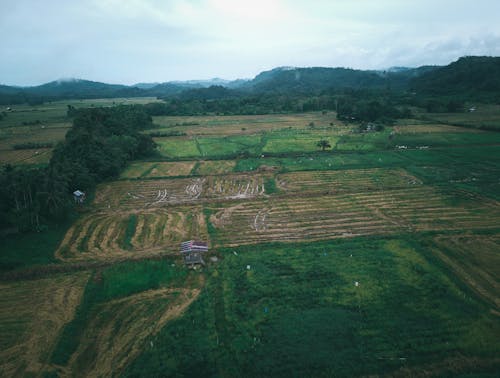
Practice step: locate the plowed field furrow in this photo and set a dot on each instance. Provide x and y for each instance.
(327, 217)
(157, 193)
(102, 236)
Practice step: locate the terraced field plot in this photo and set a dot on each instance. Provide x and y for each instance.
(230, 145)
(431, 128)
(295, 143)
(125, 235)
(32, 313)
(158, 169)
(349, 215)
(177, 147)
(142, 194)
(346, 180)
(215, 167)
(231, 125)
(28, 156)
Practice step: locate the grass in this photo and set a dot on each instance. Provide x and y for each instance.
(229, 145)
(177, 147)
(129, 231)
(446, 139)
(34, 248)
(485, 116)
(214, 167)
(296, 310)
(270, 186)
(328, 160)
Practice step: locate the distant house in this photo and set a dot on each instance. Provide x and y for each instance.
(192, 252)
(79, 196)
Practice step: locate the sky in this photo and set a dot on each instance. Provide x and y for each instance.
(131, 41)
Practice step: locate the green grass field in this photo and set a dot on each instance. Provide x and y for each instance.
(349, 308)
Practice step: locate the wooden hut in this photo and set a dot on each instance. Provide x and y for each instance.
(192, 251)
(79, 196)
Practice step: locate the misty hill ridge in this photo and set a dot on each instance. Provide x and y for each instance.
(466, 75)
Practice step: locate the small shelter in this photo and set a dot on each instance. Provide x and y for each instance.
(79, 196)
(193, 251)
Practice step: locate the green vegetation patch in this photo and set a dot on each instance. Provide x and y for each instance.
(129, 231)
(445, 139)
(349, 308)
(290, 140)
(177, 147)
(136, 170)
(214, 167)
(325, 161)
(229, 145)
(33, 248)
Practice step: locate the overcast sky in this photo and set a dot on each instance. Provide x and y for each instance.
(130, 41)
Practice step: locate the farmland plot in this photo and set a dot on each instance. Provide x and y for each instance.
(346, 180)
(348, 215)
(28, 156)
(32, 313)
(158, 169)
(475, 259)
(114, 337)
(122, 235)
(158, 193)
(215, 167)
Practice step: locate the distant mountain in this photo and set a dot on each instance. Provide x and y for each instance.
(202, 83)
(304, 80)
(468, 75)
(78, 88)
(210, 93)
(145, 85)
(471, 75)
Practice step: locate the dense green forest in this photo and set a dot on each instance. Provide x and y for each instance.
(97, 147)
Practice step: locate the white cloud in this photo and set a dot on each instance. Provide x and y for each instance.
(156, 40)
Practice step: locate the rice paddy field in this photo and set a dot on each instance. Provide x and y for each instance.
(377, 257)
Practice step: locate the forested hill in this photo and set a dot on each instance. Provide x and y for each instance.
(65, 89)
(306, 80)
(467, 76)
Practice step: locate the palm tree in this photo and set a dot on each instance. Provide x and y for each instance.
(323, 144)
